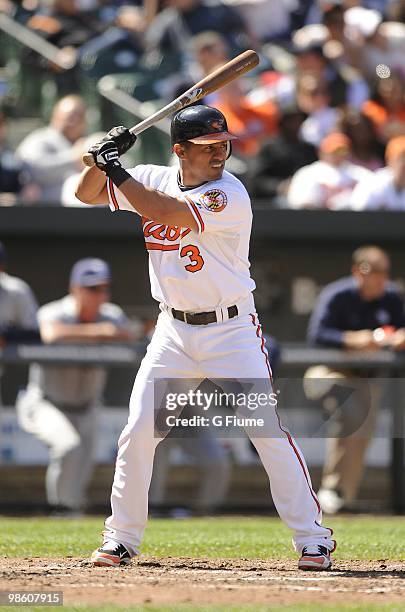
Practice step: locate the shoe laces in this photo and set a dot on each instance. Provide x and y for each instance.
(111, 545)
(315, 549)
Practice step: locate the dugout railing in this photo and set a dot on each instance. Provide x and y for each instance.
(294, 358)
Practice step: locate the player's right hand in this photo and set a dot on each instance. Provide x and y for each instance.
(105, 154)
(123, 138)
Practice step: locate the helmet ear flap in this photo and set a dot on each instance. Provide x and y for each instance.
(228, 149)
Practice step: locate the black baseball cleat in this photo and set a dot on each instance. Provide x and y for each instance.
(315, 557)
(111, 554)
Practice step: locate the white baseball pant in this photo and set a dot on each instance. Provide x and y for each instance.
(233, 349)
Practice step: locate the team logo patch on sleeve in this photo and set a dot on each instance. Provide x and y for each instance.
(214, 200)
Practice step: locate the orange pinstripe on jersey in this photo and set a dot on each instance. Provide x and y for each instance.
(197, 214)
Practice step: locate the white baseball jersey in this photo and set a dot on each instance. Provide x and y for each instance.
(189, 270)
(378, 193)
(321, 185)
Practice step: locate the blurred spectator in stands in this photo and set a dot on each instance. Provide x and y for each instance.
(67, 24)
(384, 190)
(250, 119)
(55, 152)
(210, 50)
(171, 30)
(339, 45)
(319, 7)
(15, 179)
(281, 156)
(329, 182)
(6, 6)
(363, 312)
(386, 108)
(68, 197)
(266, 20)
(119, 48)
(328, 30)
(345, 86)
(366, 151)
(60, 404)
(313, 98)
(378, 42)
(251, 122)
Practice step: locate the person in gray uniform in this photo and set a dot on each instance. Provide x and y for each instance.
(18, 308)
(60, 404)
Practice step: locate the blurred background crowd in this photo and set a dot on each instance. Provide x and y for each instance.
(321, 121)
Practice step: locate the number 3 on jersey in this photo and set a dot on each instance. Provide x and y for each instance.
(193, 252)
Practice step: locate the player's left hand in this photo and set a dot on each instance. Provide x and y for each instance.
(123, 138)
(105, 154)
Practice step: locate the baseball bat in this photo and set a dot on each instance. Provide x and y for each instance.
(213, 81)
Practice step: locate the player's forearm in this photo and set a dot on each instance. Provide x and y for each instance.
(157, 205)
(60, 332)
(362, 340)
(92, 186)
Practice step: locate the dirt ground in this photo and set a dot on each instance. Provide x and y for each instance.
(207, 581)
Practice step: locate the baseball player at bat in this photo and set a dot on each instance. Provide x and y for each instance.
(196, 221)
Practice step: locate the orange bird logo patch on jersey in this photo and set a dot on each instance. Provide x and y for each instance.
(214, 200)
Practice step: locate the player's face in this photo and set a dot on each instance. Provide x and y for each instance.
(202, 163)
(372, 278)
(91, 298)
(338, 157)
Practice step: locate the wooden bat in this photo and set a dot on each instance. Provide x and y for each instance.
(213, 81)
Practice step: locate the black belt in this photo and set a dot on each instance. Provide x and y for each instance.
(202, 318)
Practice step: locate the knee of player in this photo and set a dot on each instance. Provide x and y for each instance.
(66, 442)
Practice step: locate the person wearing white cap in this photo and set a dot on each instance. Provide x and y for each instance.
(329, 182)
(59, 405)
(385, 190)
(380, 43)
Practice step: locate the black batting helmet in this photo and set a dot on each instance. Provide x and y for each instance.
(200, 125)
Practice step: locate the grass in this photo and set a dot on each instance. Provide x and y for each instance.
(358, 537)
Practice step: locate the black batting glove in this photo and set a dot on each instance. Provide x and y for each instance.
(123, 138)
(105, 153)
(106, 157)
